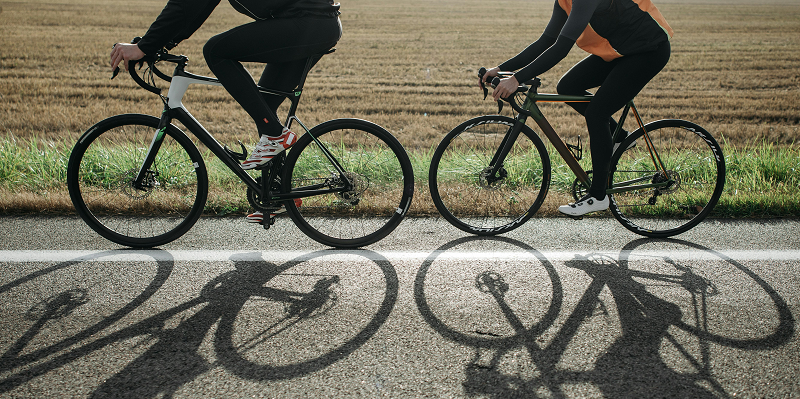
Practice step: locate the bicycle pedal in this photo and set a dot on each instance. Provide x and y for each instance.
(268, 222)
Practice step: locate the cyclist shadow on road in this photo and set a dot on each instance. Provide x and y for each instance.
(260, 324)
(260, 321)
(618, 339)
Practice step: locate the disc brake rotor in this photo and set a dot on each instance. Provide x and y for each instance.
(126, 184)
(359, 185)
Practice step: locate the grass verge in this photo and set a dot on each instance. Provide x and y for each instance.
(761, 181)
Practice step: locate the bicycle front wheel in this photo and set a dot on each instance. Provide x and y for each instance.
(686, 164)
(103, 166)
(476, 201)
(378, 183)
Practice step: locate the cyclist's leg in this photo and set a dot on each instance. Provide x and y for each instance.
(588, 73)
(276, 40)
(626, 79)
(285, 74)
(270, 41)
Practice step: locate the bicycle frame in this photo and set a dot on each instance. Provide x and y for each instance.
(174, 109)
(530, 107)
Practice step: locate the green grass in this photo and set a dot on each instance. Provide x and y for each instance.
(762, 180)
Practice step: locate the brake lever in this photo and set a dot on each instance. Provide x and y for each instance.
(115, 73)
(482, 72)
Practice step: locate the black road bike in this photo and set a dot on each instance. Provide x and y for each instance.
(139, 181)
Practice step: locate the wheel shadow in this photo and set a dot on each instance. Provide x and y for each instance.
(26, 358)
(628, 363)
(239, 318)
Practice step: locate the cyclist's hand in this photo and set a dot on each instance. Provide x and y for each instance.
(489, 75)
(124, 52)
(506, 88)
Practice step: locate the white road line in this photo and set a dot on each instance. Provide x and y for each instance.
(222, 256)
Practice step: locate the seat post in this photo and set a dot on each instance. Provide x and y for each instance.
(310, 62)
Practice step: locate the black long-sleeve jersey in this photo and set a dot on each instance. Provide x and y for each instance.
(181, 18)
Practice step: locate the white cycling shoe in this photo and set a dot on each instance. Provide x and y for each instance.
(585, 205)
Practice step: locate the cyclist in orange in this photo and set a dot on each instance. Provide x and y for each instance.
(629, 44)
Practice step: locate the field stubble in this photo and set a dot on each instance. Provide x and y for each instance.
(409, 66)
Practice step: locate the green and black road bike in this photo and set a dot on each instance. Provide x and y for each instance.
(491, 173)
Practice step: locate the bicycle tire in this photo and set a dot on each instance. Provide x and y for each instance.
(377, 164)
(104, 163)
(464, 195)
(693, 160)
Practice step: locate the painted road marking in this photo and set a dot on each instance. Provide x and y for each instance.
(222, 256)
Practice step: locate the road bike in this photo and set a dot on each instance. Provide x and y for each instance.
(490, 174)
(140, 181)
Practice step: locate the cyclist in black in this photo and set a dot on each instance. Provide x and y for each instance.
(283, 35)
(629, 44)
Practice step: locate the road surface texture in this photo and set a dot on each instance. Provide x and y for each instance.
(556, 309)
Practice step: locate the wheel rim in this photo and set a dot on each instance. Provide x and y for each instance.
(377, 176)
(165, 208)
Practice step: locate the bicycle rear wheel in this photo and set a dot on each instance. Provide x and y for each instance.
(475, 202)
(374, 162)
(101, 170)
(695, 177)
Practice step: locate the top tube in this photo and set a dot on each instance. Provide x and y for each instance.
(558, 98)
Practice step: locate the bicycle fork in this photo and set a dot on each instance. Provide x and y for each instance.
(146, 178)
(495, 171)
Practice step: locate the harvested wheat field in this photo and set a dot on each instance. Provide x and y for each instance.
(409, 66)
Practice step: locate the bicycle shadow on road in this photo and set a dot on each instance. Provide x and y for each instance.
(260, 321)
(635, 325)
(68, 286)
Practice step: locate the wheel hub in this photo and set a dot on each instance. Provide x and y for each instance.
(149, 184)
(358, 185)
(487, 180)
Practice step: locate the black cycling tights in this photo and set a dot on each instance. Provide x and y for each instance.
(619, 81)
(284, 45)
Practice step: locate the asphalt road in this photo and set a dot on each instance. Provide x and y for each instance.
(557, 308)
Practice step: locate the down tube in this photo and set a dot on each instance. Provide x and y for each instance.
(559, 145)
(206, 138)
